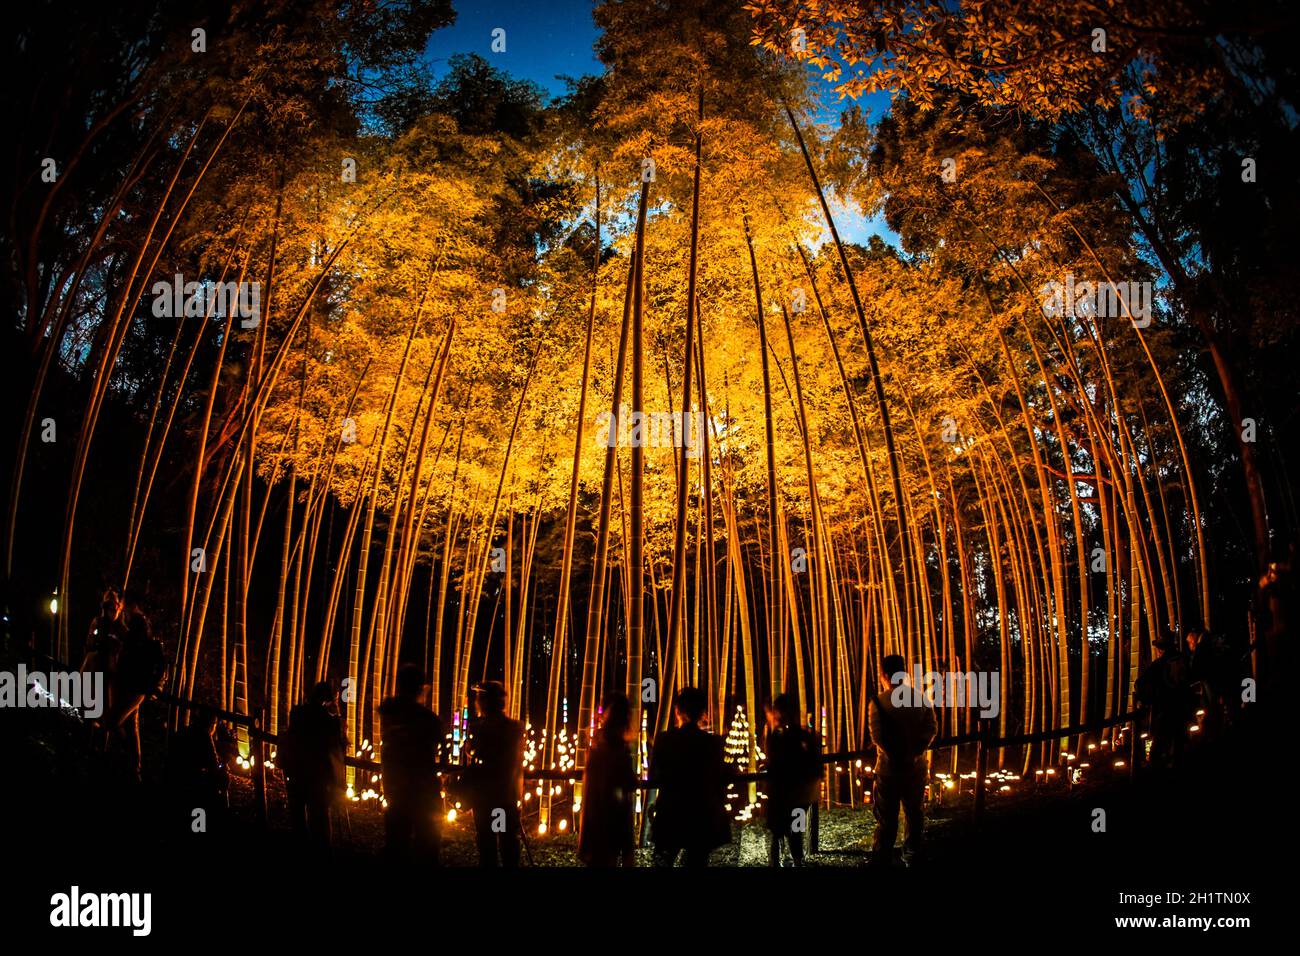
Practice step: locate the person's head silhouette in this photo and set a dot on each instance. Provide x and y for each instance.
(781, 712)
(689, 706)
(893, 671)
(489, 698)
(111, 605)
(410, 682)
(1165, 645)
(615, 718)
(322, 693)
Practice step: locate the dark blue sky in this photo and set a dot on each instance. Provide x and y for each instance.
(550, 38)
(544, 38)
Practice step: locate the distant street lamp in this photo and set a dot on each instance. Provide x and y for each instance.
(54, 610)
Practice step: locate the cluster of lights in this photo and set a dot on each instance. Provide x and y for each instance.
(736, 750)
(457, 743)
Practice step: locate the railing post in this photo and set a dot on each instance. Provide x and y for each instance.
(257, 747)
(643, 824)
(981, 767)
(815, 829)
(1132, 747)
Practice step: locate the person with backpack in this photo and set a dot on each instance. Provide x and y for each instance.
(794, 772)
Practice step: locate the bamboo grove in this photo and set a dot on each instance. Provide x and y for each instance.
(465, 290)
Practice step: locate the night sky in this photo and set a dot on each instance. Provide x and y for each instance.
(546, 39)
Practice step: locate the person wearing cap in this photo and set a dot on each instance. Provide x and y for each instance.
(1164, 687)
(496, 776)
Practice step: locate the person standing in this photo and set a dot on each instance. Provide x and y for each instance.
(1203, 679)
(1164, 687)
(140, 673)
(103, 645)
(794, 772)
(311, 755)
(411, 735)
(689, 769)
(609, 791)
(902, 724)
(196, 775)
(495, 776)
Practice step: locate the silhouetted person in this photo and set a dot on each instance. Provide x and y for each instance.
(141, 670)
(196, 775)
(495, 776)
(104, 645)
(1275, 606)
(902, 725)
(794, 772)
(1163, 686)
(411, 735)
(689, 769)
(609, 790)
(1205, 673)
(311, 755)
(1234, 668)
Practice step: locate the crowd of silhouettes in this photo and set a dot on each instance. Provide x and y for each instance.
(1192, 686)
(688, 815)
(1196, 685)
(689, 773)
